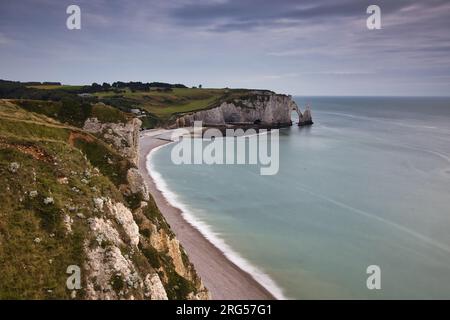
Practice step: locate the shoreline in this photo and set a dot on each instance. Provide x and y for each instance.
(224, 279)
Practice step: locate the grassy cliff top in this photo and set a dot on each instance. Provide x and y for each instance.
(43, 161)
(154, 105)
(51, 172)
(162, 105)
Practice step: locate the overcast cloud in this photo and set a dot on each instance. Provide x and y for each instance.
(319, 47)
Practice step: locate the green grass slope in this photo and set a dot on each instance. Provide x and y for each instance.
(35, 249)
(158, 105)
(50, 171)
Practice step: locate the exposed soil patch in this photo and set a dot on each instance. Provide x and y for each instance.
(79, 136)
(32, 150)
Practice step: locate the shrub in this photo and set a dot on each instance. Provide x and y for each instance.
(152, 256)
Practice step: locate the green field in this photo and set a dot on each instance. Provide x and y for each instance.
(164, 104)
(160, 103)
(55, 87)
(159, 106)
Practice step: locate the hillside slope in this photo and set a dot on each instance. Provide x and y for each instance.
(156, 104)
(73, 198)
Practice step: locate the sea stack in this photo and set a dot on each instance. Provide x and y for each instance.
(305, 119)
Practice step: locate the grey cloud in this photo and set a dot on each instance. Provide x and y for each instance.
(232, 15)
(312, 38)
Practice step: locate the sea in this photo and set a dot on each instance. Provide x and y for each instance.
(366, 188)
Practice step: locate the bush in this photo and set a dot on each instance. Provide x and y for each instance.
(117, 282)
(49, 214)
(73, 111)
(152, 256)
(146, 232)
(106, 113)
(109, 163)
(178, 288)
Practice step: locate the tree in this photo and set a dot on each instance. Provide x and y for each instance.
(96, 87)
(74, 111)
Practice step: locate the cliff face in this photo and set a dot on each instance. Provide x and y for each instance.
(267, 109)
(124, 137)
(134, 255)
(71, 199)
(126, 237)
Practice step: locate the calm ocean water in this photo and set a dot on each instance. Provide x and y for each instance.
(368, 184)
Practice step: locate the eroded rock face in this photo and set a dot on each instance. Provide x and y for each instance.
(123, 136)
(265, 109)
(166, 244)
(125, 218)
(162, 242)
(116, 248)
(114, 273)
(105, 230)
(154, 288)
(305, 119)
(137, 184)
(111, 270)
(105, 227)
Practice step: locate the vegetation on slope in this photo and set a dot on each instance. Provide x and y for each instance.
(158, 103)
(50, 173)
(35, 247)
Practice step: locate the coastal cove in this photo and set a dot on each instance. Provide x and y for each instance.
(332, 224)
(223, 278)
(225, 158)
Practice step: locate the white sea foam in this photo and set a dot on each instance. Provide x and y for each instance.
(206, 230)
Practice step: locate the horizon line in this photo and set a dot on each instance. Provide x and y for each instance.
(237, 88)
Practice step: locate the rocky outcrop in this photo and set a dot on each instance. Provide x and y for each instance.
(111, 271)
(130, 260)
(263, 108)
(137, 184)
(124, 137)
(90, 212)
(104, 230)
(305, 119)
(154, 288)
(132, 253)
(158, 241)
(125, 218)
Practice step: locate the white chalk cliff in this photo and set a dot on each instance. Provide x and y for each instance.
(131, 252)
(262, 108)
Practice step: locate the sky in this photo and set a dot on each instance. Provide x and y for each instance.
(312, 47)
